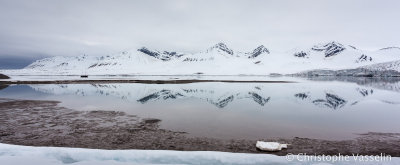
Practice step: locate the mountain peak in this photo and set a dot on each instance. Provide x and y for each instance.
(329, 44)
(330, 49)
(165, 56)
(258, 51)
(149, 52)
(222, 46)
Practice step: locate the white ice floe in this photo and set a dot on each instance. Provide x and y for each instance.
(270, 146)
(15, 155)
(22, 155)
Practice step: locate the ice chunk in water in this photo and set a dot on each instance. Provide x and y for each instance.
(270, 146)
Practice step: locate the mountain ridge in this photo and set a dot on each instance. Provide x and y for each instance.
(218, 59)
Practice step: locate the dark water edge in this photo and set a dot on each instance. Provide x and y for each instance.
(44, 123)
(135, 81)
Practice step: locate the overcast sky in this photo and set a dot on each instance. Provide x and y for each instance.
(72, 27)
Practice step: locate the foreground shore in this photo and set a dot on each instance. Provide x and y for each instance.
(44, 123)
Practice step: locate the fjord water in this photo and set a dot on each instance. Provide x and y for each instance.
(312, 109)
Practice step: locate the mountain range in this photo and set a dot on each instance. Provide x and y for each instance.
(223, 95)
(219, 59)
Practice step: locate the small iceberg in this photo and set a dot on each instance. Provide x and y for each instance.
(270, 146)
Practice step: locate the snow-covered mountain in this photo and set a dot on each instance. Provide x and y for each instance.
(393, 65)
(217, 60)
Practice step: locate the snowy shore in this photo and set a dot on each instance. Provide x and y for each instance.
(20, 155)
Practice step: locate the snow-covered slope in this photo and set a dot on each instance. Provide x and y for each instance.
(393, 65)
(217, 60)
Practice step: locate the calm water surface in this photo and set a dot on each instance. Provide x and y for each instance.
(315, 109)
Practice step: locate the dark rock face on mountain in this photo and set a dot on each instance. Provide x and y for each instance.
(172, 54)
(220, 102)
(258, 51)
(165, 56)
(221, 46)
(163, 94)
(223, 102)
(353, 47)
(301, 54)
(102, 64)
(365, 92)
(330, 49)
(149, 52)
(332, 101)
(2, 76)
(194, 59)
(388, 48)
(259, 99)
(364, 58)
(301, 96)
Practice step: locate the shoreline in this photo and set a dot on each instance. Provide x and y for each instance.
(44, 123)
(135, 81)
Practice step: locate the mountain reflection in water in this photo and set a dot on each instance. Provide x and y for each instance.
(221, 94)
(316, 109)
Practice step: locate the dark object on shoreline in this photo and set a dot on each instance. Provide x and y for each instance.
(275, 75)
(2, 76)
(84, 76)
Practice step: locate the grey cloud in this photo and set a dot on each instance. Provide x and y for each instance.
(73, 27)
